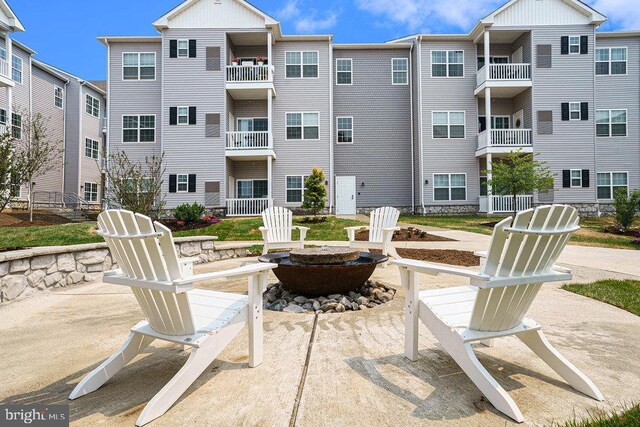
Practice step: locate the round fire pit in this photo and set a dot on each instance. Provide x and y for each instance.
(323, 271)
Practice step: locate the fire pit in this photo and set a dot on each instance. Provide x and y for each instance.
(323, 271)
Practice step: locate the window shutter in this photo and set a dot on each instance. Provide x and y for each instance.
(564, 45)
(192, 48)
(545, 122)
(173, 115)
(565, 111)
(584, 45)
(192, 183)
(543, 55)
(192, 115)
(566, 178)
(173, 48)
(212, 126)
(585, 178)
(213, 58)
(584, 110)
(173, 183)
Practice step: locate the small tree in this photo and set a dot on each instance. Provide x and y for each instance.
(626, 207)
(136, 185)
(35, 152)
(9, 179)
(520, 173)
(315, 193)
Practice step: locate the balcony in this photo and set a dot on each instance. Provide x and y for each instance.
(504, 204)
(249, 145)
(247, 207)
(505, 80)
(5, 74)
(504, 141)
(249, 81)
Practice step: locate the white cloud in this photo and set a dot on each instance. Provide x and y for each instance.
(622, 14)
(306, 19)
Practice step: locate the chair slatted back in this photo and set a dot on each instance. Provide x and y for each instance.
(279, 222)
(385, 217)
(148, 253)
(514, 254)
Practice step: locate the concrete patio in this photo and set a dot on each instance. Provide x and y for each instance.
(328, 369)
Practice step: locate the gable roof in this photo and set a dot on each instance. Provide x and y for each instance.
(14, 22)
(163, 21)
(595, 16)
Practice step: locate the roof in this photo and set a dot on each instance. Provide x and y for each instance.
(163, 21)
(67, 74)
(617, 34)
(364, 46)
(14, 22)
(23, 47)
(129, 39)
(101, 84)
(49, 69)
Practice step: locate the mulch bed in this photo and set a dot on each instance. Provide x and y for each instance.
(173, 225)
(408, 235)
(313, 220)
(632, 232)
(441, 256)
(21, 219)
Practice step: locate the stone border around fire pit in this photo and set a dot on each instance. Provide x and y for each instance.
(369, 295)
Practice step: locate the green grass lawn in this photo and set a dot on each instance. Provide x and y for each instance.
(630, 417)
(624, 294)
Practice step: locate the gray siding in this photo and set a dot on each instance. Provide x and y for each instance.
(74, 109)
(91, 127)
(380, 155)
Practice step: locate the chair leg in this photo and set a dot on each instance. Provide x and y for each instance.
(265, 249)
(256, 332)
(134, 345)
(539, 344)
(409, 280)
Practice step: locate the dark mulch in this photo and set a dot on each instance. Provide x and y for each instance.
(408, 235)
(313, 220)
(12, 249)
(441, 256)
(633, 232)
(173, 225)
(491, 224)
(21, 219)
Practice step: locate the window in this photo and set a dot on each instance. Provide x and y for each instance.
(16, 69)
(255, 124)
(448, 124)
(3, 53)
(183, 48)
(295, 188)
(400, 71)
(611, 123)
(574, 44)
(139, 66)
(303, 126)
(57, 96)
(343, 71)
(16, 126)
(138, 128)
(91, 148)
(92, 106)
(576, 178)
(91, 191)
(611, 61)
(450, 186)
(610, 182)
(345, 130)
(301, 65)
(183, 183)
(183, 115)
(447, 63)
(3, 116)
(574, 111)
(252, 189)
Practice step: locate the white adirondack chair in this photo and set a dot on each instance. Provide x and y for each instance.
(382, 224)
(277, 230)
(520, 259)
(205, 321)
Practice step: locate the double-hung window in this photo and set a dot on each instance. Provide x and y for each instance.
(3, 116)
(576, 178)
(16, 69)
(448, 124)
(611, 61)
(138, 128)
(574, 44)
(92, 106)
(344, 130)
(344, 71)
(139, 66)
(16, 126)
(182, 181)
(400, 71)
(611, 123)
(447, 63)
(183, 48)
(91, 191)
(57, 96)
(449, 186)
(608, 183)
(91, 148)
(301, 65)
(303, 126)
(295, 188)
(574, 111)
(183, 115)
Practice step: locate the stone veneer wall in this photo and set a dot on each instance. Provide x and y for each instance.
(27, 271)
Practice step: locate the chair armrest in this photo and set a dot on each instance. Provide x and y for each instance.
(186, 265)
(234, 273)
(303, 231)
(264, 231)
(481, 254)
(435, 269)
(188, 260)
(351, 231)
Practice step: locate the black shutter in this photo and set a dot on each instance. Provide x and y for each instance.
(173, 183)
(584, 45)
(192, 115)
(192, 48)
(585, 178)
(173, 115)
(564, 45)
(192, 183)
(173, 48)
(565, 111)
(566, 178)
(584, 110)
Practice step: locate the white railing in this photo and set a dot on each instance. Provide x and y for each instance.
(504, 204)
(4, 68)
(249, 73)
(505, 138)
(247, 207)
(503, 72)
(248, 140)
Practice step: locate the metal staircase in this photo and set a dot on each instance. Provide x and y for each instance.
(68, 205)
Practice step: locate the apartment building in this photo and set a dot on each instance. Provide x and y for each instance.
(75, 113)
(243, 112)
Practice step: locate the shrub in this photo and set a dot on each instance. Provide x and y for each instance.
(315, 193)
(626, 207)
(189, 213)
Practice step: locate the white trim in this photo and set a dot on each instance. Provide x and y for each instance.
(92, 149)
(569, 42)
(609, 61)
(178, 175)
(571, 171)
(626, 123)
(55, 97)
(406, 60)
(350, 72)
(446, 64)
(21, 82)
(301, 52)
(252, 121)
(579, 111)
(252, 181)
(86, 95)
(139, 66)
(464, 113)
(178, 48)
(178, 115)
(302, 126)
(84, 192)
(450, 187)
(155, 129)
(286, 195)
(338, 130)
(611, 183)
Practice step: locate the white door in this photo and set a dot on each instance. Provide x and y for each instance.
(345, 195)
(518, 120)
(516, 58)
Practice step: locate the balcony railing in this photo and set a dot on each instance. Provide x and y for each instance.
(503, 72)
(4, 69)
(247, 207)
(249, 73)
(504, 204)
(248, 140)
(505, 138)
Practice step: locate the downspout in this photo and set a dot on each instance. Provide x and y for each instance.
(108, 127)
(595, 140)
(331, 120)
(413, 173)
(31, 184)
(64, 136)
(81, 116)
(424, 209)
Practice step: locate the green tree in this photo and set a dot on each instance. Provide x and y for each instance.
(315, 193)
(626, 207)
(520, 173)
(9, 174)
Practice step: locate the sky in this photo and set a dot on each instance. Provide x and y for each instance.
(63, 32)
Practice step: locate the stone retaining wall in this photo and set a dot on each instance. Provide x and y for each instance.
(27, 271)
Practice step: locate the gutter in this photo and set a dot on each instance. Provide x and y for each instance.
(107, 125)
(413, 172)
(424, 209)
(64, 136)
(331, 121)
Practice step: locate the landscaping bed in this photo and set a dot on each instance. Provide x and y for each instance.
(440, 256)
(410, 234)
